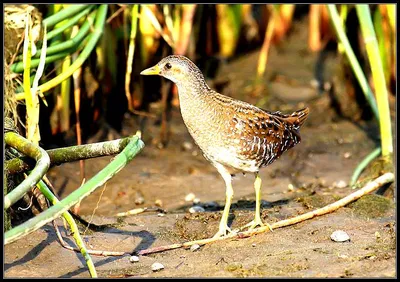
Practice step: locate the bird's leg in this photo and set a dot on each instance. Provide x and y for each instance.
(223, 225)
(257, 217)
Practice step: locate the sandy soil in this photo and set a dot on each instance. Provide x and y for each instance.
(303, 179)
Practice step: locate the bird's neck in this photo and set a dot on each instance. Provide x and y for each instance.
(195, 87)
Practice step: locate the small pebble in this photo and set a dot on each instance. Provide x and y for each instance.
(340, 236)
(377, 235)
(195, 209)
(134, 259)
(290, 187)
(161, 214)
(139, 200)
(340, 184)
(347, 155)
(195, 247)
(253, 245)
(157, 266)
(158, 203)
(190, 197)
(187, 146)
(196, 200)
(343, 256)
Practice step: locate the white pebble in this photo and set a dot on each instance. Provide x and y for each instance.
(157, 266)
(187, 146)
(134, 259)
(161, 214)
(195, 209)
(290, 187)
(190, 197)
(340, 236)
(340, 184)
(347, 155)
(196, 200)
(194, 247)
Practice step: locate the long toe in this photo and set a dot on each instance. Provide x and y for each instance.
(224, 231)
(254, 223)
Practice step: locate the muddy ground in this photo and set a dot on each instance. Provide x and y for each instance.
(314, 173)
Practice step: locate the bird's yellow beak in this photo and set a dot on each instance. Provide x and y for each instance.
(151, 71)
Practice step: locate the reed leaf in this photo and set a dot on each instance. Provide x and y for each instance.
(129, 62)
(378, 76)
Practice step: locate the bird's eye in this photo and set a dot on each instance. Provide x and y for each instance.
(168, 66)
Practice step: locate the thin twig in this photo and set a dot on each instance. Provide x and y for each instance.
(116, 13)
(94, 210)
(370, 187)
(91, 252)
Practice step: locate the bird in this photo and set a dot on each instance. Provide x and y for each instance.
(233, 135)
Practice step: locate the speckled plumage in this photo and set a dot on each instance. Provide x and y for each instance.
(233, 135)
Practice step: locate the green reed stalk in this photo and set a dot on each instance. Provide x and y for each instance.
(378, 76)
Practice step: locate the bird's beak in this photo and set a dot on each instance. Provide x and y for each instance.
(151, 71)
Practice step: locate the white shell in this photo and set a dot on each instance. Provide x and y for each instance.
(195, 209)
(157, 266)
(190, 197)
(340, 236)
(134, 259)
(194, 247)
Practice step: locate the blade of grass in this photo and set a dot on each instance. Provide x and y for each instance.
(353, 59)
(153, 19)
(263, 58)
(378, 76)
(63, 14)
(185, 29)
(129, 60)
(363, 164)
(74, 228)
(314, 39)
(228, 26)
(134, 146)
(344, 10)
(69, 23)
(380, 34)
(92, 41)
(40, 69)
(32, 100)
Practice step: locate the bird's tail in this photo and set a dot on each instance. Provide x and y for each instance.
(301, 116)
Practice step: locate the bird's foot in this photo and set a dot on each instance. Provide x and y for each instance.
(223, 231)
(254, 223)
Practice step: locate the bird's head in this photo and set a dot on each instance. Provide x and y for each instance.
(176, 68)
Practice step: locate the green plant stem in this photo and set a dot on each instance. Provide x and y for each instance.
(380, 34)
(378, 76)
(70, 154)
(69, 23)
(353, 59)
(94, 37)
(42, 165)
(363, 164)
(70, 46)
(64, 14)
(74, 228)
(134, 146)
(92, 41)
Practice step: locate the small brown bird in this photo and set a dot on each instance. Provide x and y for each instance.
(234, 136)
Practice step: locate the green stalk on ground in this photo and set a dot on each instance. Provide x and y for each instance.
(74, 228)
(130, 151)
